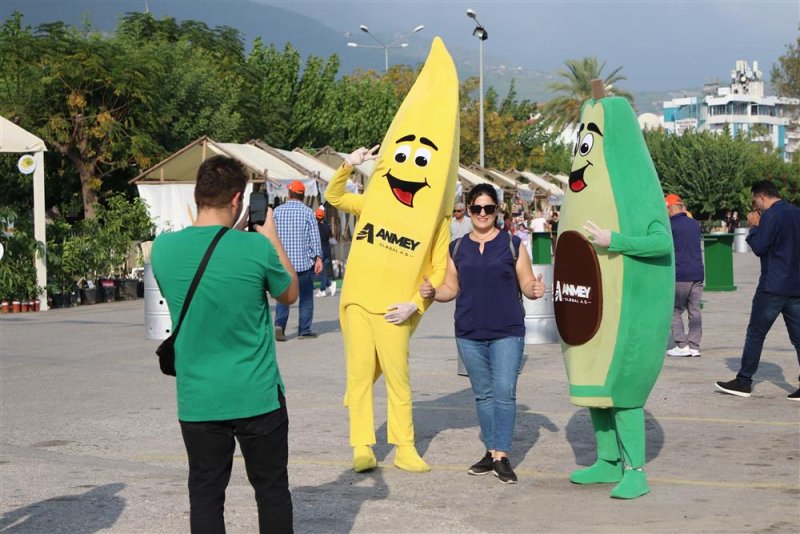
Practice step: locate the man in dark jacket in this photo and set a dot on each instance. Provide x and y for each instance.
(326, 286)
(775, 238)
(686, 236)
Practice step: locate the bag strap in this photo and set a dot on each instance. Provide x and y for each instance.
(196, 280)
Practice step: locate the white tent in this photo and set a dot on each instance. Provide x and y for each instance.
(14, 139)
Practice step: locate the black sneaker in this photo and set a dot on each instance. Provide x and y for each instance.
(735, 387)
(794, 396)
(307, 335)
(503, 471)
(484, 467)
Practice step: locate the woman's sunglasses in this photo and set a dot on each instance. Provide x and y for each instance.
(489, 209)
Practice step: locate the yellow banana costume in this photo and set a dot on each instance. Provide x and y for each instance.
(403, 232)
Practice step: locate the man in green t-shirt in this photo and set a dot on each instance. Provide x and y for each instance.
(227, 377)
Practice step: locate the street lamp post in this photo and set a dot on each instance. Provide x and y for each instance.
(381, 44)
(481, 33)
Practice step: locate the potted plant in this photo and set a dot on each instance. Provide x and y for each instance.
(17, 268)
(80, 260)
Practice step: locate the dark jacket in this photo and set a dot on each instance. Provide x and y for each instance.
(325, 238)
(776, 240)
(687, 236)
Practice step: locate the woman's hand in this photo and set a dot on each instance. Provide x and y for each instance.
(537, 287)
(426, 290)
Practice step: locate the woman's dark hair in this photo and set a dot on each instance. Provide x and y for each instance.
(482, 189)
(218, 180)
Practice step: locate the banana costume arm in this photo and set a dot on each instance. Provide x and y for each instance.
(337, 195)
(439, 254)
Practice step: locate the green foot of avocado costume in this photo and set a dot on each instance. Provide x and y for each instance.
(613, 297)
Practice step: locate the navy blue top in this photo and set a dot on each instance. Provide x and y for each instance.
(776, 240)
(488, 304)
(687, 235)
(325, 239)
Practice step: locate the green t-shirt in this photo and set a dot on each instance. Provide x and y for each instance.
(225, 350)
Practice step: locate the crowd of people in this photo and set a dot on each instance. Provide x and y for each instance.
(228, 383)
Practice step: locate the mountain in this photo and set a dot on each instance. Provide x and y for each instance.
(309, 36)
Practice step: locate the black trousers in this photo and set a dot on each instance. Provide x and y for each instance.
(263, 440)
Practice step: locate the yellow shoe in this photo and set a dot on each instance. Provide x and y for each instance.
(406, 458)
(363, 458)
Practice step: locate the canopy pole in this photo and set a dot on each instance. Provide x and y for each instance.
(39, 227)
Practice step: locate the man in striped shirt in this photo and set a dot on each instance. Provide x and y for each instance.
(297, 229)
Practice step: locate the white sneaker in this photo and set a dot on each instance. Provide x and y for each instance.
(695, 353)
(320, 293)
(332, 288)
(679, 351)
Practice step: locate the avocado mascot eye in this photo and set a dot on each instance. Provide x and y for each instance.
(401, 154)
(422, 157)
(586, 144)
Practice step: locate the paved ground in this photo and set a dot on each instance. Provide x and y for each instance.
(89, 440)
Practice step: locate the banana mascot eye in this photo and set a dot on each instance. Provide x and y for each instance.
(401, 154)
(422, 157)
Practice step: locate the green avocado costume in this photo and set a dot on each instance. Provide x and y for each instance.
(613, 306)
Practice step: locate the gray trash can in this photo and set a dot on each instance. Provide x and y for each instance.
(740, 240)
(540, 315)
(157, 321)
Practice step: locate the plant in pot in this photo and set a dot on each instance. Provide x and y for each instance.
(80, 260)
(60, 279)
(17, 268)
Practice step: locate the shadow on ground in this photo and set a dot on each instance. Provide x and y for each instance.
(580, 435)
(97, 509)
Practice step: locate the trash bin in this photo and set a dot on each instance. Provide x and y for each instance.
(740, 240)
(541, 248)
(540, 315)
(157, 321)
(718, 257)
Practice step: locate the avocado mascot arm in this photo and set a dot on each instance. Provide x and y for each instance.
(657, 242)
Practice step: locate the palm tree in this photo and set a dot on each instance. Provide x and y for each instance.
(564, 110)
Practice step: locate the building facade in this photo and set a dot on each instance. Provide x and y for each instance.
(740, 107)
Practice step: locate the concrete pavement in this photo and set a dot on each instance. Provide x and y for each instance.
(89, 440)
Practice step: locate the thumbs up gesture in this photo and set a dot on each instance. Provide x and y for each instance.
(426, 290)
(538, 287)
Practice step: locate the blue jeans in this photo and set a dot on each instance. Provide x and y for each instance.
(493, 367)
(305, 281)
(766, 308)
(324, 283)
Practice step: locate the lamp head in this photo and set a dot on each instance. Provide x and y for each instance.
(480, 32)
(471, 13)
(363, 28)
(352, 45)
(419, 28)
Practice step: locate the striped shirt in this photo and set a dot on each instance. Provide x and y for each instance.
(298, 232)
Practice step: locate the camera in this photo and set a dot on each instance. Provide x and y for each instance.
(257, 210)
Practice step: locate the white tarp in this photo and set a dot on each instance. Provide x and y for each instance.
(550, 189)
(172, 207)
(16, 139)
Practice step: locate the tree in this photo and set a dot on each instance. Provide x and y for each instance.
(786, 73)
(564, 110)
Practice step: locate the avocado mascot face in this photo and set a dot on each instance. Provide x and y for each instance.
(589, 164)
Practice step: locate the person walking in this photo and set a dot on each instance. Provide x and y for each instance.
(775, 238)
(687, 236)
(460, 225)
(486, 271)
(326, 286)
(227, 377)
(298, 231)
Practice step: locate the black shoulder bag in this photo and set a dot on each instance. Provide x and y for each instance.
(166, 351)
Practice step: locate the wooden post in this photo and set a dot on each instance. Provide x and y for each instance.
(598, 89)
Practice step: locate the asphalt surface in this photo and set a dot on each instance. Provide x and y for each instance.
(89, 439)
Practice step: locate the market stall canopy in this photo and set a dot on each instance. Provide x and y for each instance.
(547, 187)
(470, 179)
(504, 180)
(16, 139)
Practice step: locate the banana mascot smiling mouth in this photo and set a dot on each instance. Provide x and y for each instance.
(402, 235)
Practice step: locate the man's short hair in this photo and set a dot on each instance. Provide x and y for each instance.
(766, 188)
(218, 180)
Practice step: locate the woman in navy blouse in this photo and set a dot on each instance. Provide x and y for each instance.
(486, 272)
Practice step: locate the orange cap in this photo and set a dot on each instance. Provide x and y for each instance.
(297, 187)
(320, 213)
(673, 199)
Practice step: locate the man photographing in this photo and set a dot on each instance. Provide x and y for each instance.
(228, 383)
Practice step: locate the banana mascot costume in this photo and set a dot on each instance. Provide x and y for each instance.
(613, 293)
(402, 234)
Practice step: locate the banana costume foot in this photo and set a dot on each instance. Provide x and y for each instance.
(364, 459)
(407, 459)
(614, 283)
(402, 235)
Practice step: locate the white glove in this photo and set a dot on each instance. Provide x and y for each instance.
(360, 155)
(597, 235)
(397, 313)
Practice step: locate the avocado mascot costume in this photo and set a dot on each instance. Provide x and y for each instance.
(402, 234)
(613, 292)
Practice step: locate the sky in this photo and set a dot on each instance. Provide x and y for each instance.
(659, 44)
